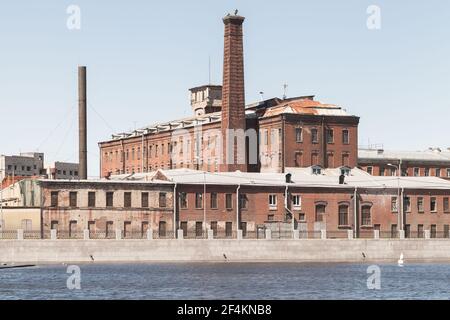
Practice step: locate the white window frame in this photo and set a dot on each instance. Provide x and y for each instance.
(273, 204)
(297, 201)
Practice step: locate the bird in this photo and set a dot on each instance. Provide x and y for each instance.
(363, 254)
(225, 256)
(236, 12)
(92, 258)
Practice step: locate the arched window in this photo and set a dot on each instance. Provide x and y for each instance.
(343, 215)
(366, 217)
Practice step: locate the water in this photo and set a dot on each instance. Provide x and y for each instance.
(228, 281)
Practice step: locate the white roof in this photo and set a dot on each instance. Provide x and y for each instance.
(435, 154)
(301, 177)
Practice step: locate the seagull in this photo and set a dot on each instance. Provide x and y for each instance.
(401, 261)
(236, 12)
(363, 254)
(92, 258)
(225, 256)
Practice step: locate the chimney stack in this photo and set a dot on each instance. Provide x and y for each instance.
(82, 118)
(233, 95)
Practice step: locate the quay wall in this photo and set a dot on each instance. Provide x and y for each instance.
(135, 251)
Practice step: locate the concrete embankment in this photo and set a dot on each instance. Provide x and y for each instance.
(71, 251)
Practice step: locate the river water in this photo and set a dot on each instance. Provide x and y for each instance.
(227, 281)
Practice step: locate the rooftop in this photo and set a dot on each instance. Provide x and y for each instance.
(432, 155)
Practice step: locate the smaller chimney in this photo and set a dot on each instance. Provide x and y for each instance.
(342, 179)
(288, 178)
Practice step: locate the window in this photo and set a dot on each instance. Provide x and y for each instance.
(427, 172)
(343, 215)
(199, 229)
(270, 217)
(382, 171)
(183, 200)
(345, 160)
(54, 198)
(407, 204)
(316, 170)
(244, 228)
(127, 199)
(110, 199)
(420, 233)
(213, 200)
(407, 231)
(214, 228)
(420, 208)
(162, 200)
(320, 212)
(433, 231)
(273, 200)
(298, 134)
(162, 229)
(446, 231)
(314, 159)
(302, 217)
(184, 227)
(433, 204)
(27, 225)
(229, 201)
(438, 172)
(229, 229)
(199, 200)
(297, 201)
(345, 137)
(366, 218)
(243, 201)
(345, 171)
(298, 159)
(144, 200)
(314, 136)
(394, 206)
(370, 170)
(72, 199)
(330, 136)
(446, 205)
(416, 172)
(448, 173)
(394, 233)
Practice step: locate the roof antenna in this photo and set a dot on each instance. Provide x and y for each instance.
(262, 95)
(285, 86)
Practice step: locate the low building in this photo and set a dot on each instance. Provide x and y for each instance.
(25, 164)
(433, 162)
(62, 170)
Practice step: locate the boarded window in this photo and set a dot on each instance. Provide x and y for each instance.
(109, 229)
(394, 233)
(91, 199)
(73, 199)
(162, 200)
(27, 225)
(127, 229)
(127, 199)
(144, 200)
(320, 212)
(162, 229)
(73, 229)
(54, 198)
(433, 231)
(244, 228)
(298, 159)
(213, 200)
(446, 231)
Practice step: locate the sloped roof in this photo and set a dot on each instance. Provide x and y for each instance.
(305, 106)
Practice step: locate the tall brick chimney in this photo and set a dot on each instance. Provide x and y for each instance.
(233, 95)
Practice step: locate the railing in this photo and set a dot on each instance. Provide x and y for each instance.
(219, 234)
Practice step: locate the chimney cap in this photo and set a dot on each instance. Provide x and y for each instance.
(233, 18)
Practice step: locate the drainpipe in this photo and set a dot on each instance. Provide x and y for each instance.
(283, 145)
(237, 208)
(175, 197)
(122, 156)
(142, 153)
(355, 213)
(402, 210)
(286, 206)
(204, 204)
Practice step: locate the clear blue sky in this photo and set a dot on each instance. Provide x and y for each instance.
(142, 57)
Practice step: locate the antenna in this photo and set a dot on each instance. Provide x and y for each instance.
(285, 86)
(262, 95)
(209, 69)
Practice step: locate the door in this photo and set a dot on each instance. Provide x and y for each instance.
(244, 229)
(144, 229)
(127, 229)
(91, 228)
(229, 229)
(73, 228)
(407, 231)
(109, 230)
(184, 227)
(198, 229)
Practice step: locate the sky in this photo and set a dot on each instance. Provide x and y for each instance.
(143, 56)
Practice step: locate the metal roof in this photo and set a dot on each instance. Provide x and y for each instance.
(432, 154)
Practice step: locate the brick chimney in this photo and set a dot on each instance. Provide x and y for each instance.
(233, 95)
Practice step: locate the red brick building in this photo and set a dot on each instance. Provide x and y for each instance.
(433, 162)
(270, 135)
